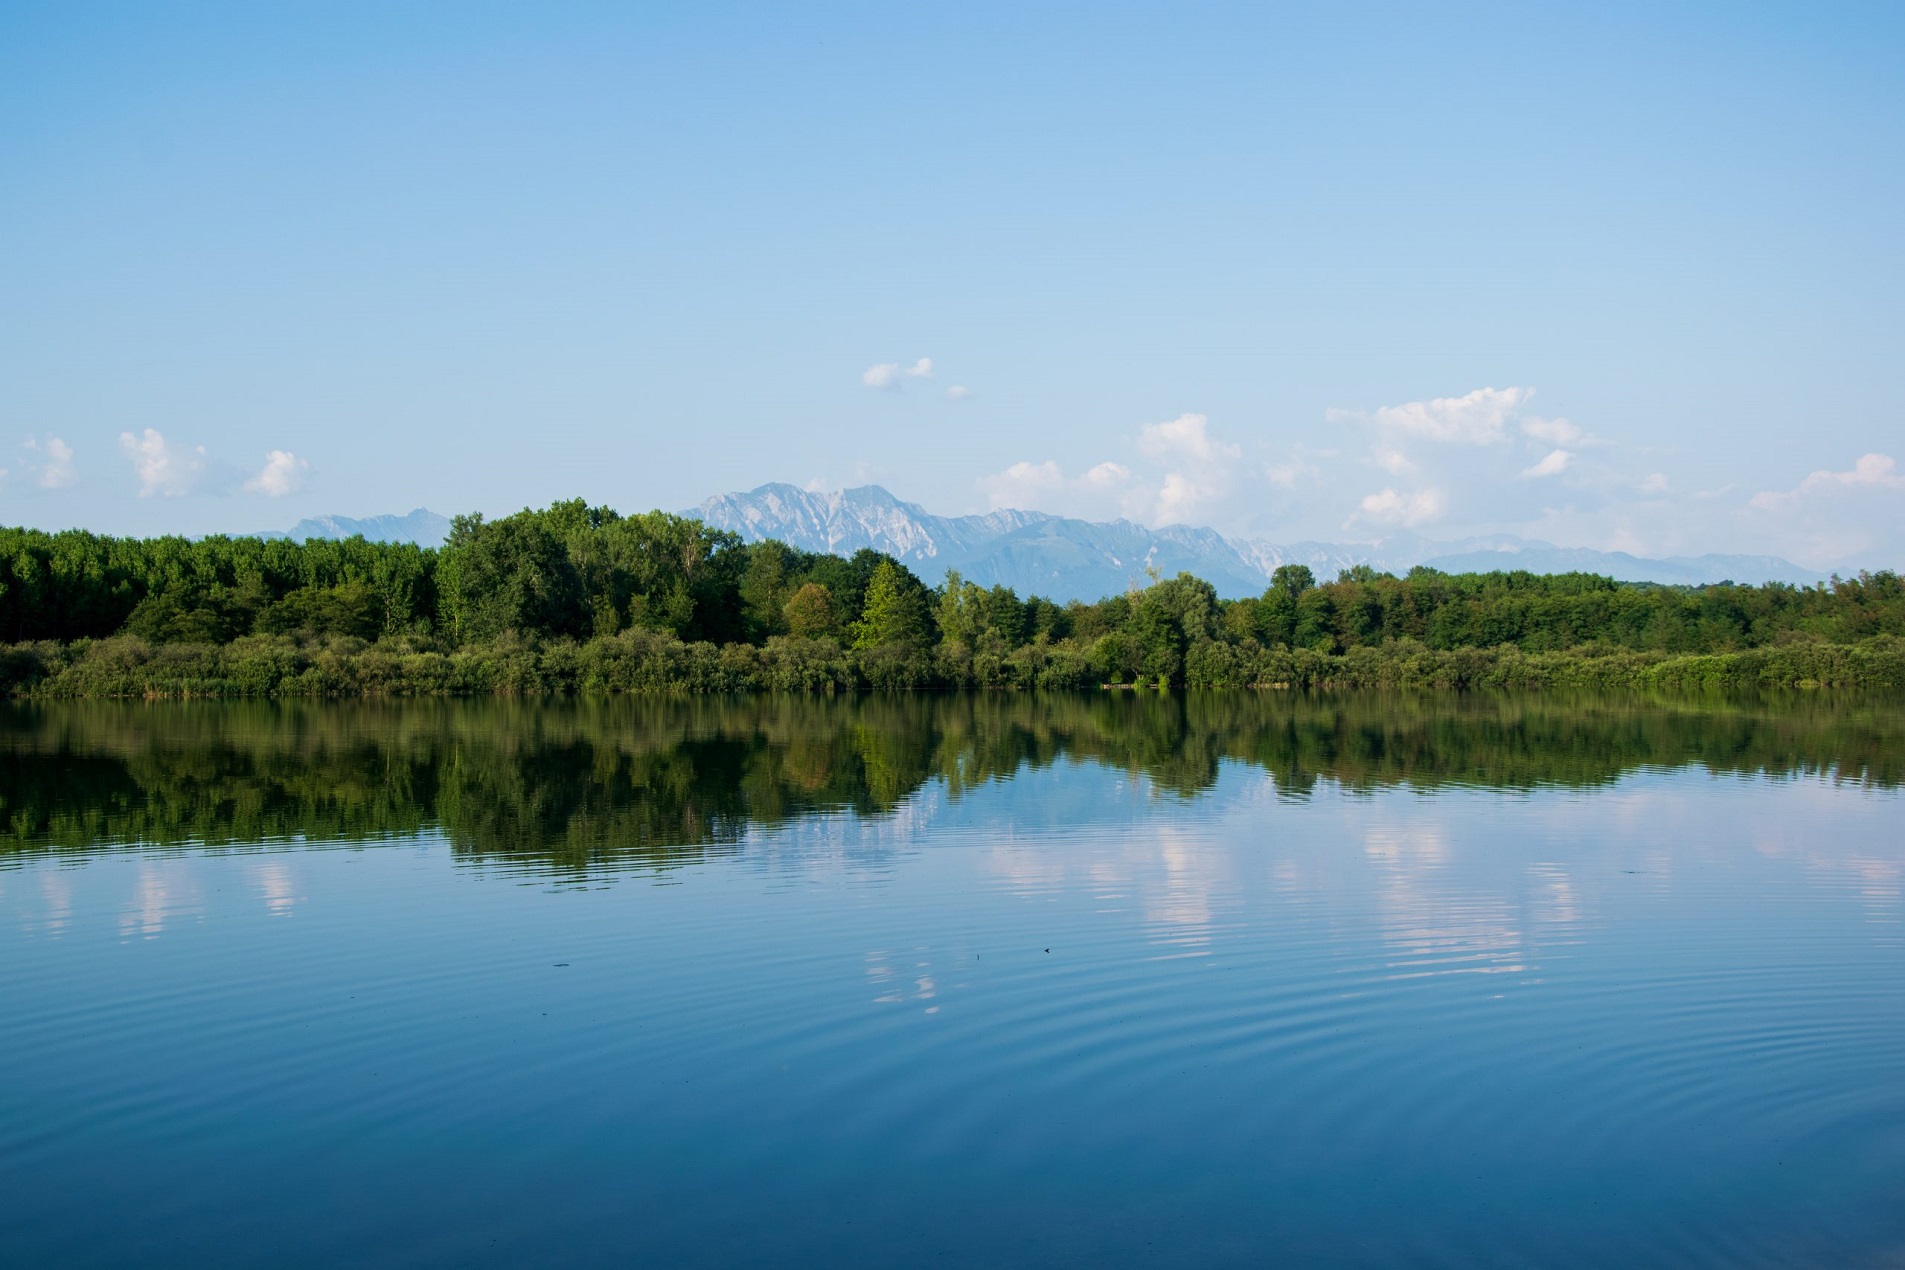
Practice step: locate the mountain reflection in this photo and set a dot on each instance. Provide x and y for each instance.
(570, 784)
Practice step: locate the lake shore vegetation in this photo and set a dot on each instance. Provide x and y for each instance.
(575, 599)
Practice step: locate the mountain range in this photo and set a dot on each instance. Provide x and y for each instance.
(422, 526)
(1040, 554)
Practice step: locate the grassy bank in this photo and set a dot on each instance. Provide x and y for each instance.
(641, 661)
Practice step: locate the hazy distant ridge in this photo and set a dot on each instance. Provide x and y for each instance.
(422, 526)
(1037, 553)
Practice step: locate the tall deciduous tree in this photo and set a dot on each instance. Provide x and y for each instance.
(894, 612)
(809, 611)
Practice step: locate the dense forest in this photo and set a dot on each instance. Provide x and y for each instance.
(569, 784)
(581, 599)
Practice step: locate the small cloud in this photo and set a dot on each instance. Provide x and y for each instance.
(54, 468)
(1045, 486)
(1180, 495)
(1201, 466)
(1185, 437)
(1871, 471)
(1557, 432)
(1188, 475)
(891, 376)
(1553, 464)
(1393, 461)
(1656, 483)
(283, 473)
(1021, 479)
(1476, 418)
(1408, 510)
(163, 468)
(958, 392)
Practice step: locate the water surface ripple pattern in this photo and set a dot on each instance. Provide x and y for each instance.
(1162, 982)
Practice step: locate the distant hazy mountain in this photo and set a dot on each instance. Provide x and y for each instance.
(422, 526)
(1030, 551)
(1036, 553)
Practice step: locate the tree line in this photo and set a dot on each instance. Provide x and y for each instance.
(580, 598)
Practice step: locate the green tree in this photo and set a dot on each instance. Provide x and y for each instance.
(764, 589)
(1292, 579)
(894, 612)
(513, 574)
(809, 611)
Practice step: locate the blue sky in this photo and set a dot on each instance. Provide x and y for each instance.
(1623, 277)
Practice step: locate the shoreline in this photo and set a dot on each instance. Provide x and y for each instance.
(654, 663)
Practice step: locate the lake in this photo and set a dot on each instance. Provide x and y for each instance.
(1119, 979)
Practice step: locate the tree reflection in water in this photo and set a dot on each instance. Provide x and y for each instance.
(631, 781)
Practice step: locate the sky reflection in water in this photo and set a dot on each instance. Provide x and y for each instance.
(1079, 981)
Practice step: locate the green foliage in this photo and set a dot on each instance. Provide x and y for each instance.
(1292, 579)
(576, 570)
(809, 611)
(576, 598)
(971, 615)
(893, 615)
(509, 575)
(351, 608)
(76, 585)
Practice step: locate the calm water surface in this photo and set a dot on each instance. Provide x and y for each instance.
(1095, 981)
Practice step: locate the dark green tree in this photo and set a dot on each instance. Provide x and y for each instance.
(1292, 579)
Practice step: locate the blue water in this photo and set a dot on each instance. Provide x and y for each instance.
(1062, 1016)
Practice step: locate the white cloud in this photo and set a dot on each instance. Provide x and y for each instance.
(1201, 468)
(1180, 496)
(891, 376)
(1408, 510)
(1872, 471)
(1044, 486)
(54, 468)
(1556, 431)
(1185, 437)
(1656, 483)
(1286, 475)
(1021, 481)
(283, 473)
(163, 468)
(1184, 473)
(1553, 463)
(1477, 418)
(958, 392)
(1393, 461)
